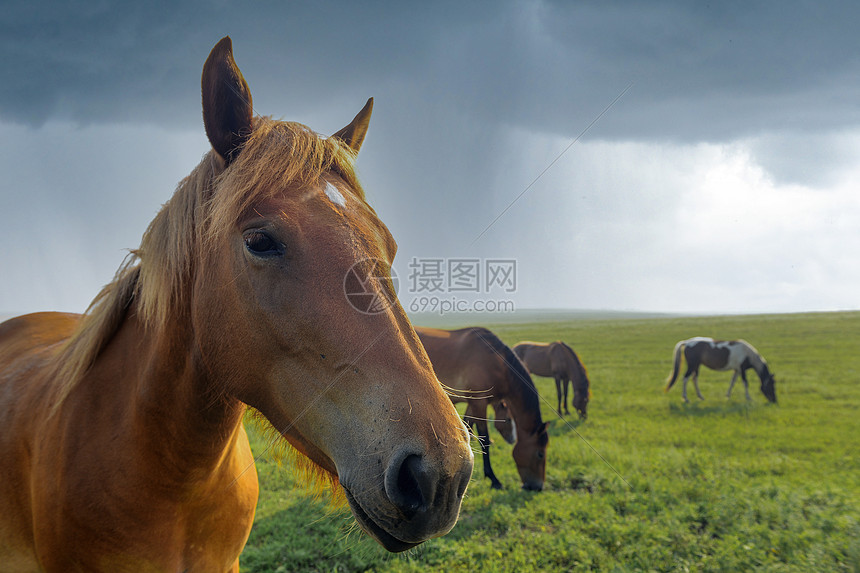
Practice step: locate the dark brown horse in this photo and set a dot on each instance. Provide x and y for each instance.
(479, 369)
(557, 360)
(737, 355)
(121, 433)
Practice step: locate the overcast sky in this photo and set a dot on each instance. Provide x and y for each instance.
(723, 179)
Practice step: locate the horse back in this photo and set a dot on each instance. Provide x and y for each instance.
(537, 357)
(715, 354)
(30, 332)
(27, 344)
(462, 360)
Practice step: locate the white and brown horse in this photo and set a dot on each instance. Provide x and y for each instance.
(721, 355)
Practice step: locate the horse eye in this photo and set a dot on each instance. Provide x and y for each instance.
(540, 455)
(261, 244)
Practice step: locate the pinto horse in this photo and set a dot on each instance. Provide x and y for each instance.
(479, 369)
(558, 360)
(122, 441)
(737, 355)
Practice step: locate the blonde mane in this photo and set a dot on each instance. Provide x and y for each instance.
(156, 278)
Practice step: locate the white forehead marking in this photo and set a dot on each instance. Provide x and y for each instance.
(335, 195)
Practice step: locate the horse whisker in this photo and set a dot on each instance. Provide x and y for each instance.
(437, 435)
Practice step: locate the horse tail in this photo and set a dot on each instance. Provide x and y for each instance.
(676, 366)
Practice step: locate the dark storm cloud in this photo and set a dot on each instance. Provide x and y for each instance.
(729, 102)
(103, 62)
(700, 71)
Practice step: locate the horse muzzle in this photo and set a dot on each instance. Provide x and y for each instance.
(533, 486)
(416, 501)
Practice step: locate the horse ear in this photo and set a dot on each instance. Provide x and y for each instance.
(227, 108)
(353, 134)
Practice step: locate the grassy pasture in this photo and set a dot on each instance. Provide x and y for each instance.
(647, 483)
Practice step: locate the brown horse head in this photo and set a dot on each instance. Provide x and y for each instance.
(283, 225)
(530, 457)
(532, 438)
(580, 404)
(582, 395)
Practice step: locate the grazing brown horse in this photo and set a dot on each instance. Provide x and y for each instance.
(737, 355)
(121, 433)
(558, 360)
(479, 369)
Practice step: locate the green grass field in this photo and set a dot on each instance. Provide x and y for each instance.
(647, 483)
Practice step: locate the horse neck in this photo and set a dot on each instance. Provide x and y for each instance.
(761, 367)
(757, 362)
(523, 402)
(161, 394)
(574, 365)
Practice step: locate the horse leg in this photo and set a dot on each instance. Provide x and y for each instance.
(732, 384)
(566, 382)
(746, 385)
(484, 440)
(558, 394)
(691, 372)
(480, 422)
(696, 384)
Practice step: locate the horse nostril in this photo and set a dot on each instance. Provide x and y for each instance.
(408, 485)
(413, 485)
